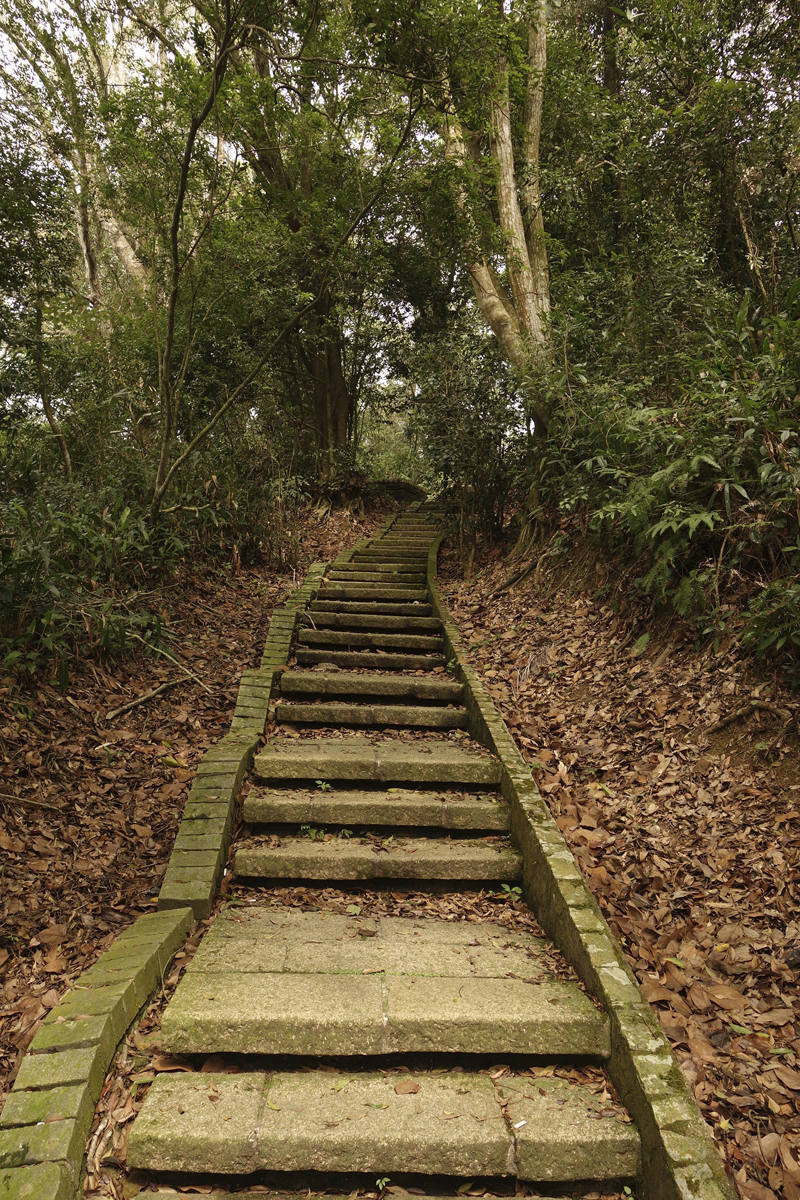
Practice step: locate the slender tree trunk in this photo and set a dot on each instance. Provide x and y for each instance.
(44, 391)
(518, 320)
(85, 234)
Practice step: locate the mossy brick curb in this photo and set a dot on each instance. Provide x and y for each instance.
(679, 1158)
(201, 847)
(48, 1114)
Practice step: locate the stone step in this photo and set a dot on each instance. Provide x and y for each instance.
(547, 1129)
(354, 640)
(378, 568)
(368, 661)
(366, 591)
(394, 807)
(386, 554)
(358, 606)
(273, 980)
(407, 716)
(342, 683)
(358, 760)
(359, 575)
(409, 540)
(356, 858)
(318, 620)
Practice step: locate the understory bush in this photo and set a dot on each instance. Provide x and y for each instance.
(697, 481)
(70, 580)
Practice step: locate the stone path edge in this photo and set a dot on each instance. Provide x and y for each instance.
(679, 1158)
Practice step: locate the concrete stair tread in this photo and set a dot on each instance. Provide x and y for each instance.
(543, 1129)
(380, 660)
(390, 806)
(354, 758)
(382, 568)
(356, 590)
(347, 637)
(275, 981)
(372, 621)
(344, 683)
(375, 715)
(361, 858)
(360, 575)
(374, 607)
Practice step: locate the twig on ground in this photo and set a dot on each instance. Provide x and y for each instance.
(173, 660)
(117, 712)
(28, 800)
(746, 709)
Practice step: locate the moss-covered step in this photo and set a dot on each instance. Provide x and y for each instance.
(476, 861)
(378, 568)
(550, 1130)
(368, 641)
(374, 621)
(355, 590)
(393, 807)
(358, 760)
(402, 716)
(375, 607)
(402, 688)
(388, 554)
(403, 578)
(275, 981)
(370, 661)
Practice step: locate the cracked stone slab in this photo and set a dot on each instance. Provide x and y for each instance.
(344, 683)
(408, 858)
(371, 715)
(265, 981)
(451, 1125)
(352, 758)
(392, 807)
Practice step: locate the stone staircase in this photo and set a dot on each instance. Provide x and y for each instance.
(361, 1047)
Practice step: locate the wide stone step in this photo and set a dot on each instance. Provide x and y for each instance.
(389, 577)
(379, 569)
(393, 807)
(359, 606)
(368, 641)
(402, 858)
(543, 1129)
(356, 759)
(398, 688)
(277, 981)
(323, 620)
(417, 558)
(400, 715)
(368, 591)
(408, 541)
(363, 658)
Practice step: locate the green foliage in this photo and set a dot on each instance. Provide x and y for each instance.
(66, 580)
(702, 488)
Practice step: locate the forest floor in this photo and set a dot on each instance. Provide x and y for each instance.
(683, 813)
(89, 808)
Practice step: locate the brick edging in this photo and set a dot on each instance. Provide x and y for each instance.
(48, 1114)
(679, 1157)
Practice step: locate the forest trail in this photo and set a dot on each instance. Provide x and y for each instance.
(461, 1021)
(415, 1012)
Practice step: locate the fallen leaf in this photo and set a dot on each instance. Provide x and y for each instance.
(406, 1087)
(170, 1062)
(214, 1063)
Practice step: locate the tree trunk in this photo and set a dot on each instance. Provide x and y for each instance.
(331, 400)
(44, 391)
(519, 320)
